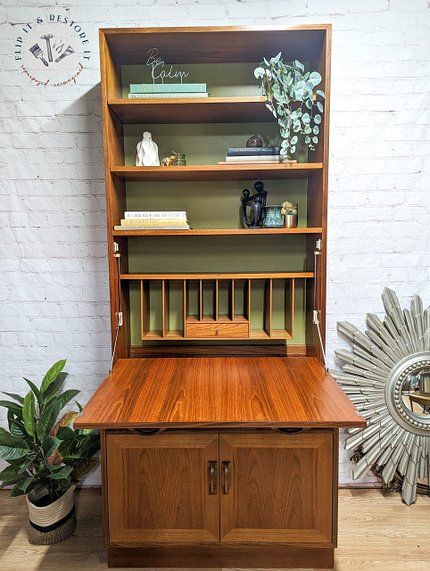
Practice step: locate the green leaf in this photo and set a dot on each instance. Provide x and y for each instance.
(54, 387)
(47, 420)
(17, 429)
(293, 149)
(80, 407)
(307, 139)
(320, 93)
(21, 488)
(35, 390)
(28, 412)
(320, 106)
(50, 445)
(52, 374)
(12, 448)
(14, 396)
(306, 118)
(299, 66)
(315, 140)
(307, 130)
(61, 474)
(309, 103)
(8, 474)
(3, 430)
(315, 78)
(316, 130)
(27, 465)
(317, 119)
(294, 140)
(13, 407)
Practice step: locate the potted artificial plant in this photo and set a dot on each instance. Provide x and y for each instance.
(46, 456)
(292, 98)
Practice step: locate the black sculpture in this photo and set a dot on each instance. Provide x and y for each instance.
(257, 202)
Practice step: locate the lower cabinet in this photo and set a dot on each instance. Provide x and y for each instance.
(250, 487)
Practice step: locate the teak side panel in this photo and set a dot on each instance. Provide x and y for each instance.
(219, 391)
(276, 488)
(158, 488)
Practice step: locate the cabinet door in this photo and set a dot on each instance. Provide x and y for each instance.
(163, 488)
(276, 487)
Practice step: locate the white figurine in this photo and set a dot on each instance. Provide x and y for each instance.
(147, 152)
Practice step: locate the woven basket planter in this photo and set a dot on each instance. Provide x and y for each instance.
(53, 523)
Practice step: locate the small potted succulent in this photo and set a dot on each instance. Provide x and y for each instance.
(46, 456)
(292, 98)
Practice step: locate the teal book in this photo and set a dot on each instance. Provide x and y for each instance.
(167, 87)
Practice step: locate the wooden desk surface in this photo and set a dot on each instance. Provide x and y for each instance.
(219, 392)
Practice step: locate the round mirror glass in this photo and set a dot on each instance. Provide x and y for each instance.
(416, 392)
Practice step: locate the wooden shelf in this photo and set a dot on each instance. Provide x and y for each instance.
(186, 110)
(217, 232)
(217, 172)
(199, 276)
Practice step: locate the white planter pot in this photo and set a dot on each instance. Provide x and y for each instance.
(53, 523)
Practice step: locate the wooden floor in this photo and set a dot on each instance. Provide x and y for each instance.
(376, 533)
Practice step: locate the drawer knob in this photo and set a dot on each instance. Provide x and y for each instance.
(216, 331)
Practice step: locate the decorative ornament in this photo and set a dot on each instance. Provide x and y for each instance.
(257, 204)
(254, 141)
(168, 161)
(378, 378)
(147, 152)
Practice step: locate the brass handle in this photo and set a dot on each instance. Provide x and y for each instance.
(226, 478)
(212, 479)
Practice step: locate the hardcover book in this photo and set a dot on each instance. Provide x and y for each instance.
(155, 214)
(165, 227)
(254, 158)
(245, 151)
(167, 87)
(166, 95)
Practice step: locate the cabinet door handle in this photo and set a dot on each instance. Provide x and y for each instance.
(226, 477)
(212, 478)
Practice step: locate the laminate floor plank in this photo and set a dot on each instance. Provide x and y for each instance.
(376, 532)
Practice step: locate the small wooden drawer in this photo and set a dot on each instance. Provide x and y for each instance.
(215, 329)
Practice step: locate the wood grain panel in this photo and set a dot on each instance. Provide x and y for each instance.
(217, 330)
(214, 44)
(217, 172)
(216, 232)
(228, 556)
(158, 488)
(281, 487)
(247, 391)
(208, 351)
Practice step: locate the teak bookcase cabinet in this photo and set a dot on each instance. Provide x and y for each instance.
(219, 440)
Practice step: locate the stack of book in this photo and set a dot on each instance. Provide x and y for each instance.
(166, 90)
(151, 220)
(246, 155)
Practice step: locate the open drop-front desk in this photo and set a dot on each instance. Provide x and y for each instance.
(219, 425)
(211, 462)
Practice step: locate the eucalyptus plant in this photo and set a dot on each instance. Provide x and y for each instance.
(43, 451)
(290, 96)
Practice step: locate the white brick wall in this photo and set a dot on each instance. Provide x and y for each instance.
(53, 284)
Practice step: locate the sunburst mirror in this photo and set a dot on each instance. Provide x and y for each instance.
(387, 377)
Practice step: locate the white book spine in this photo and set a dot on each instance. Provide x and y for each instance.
(254, 159)
(169, 215)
